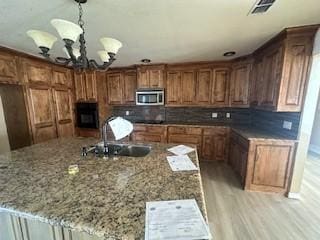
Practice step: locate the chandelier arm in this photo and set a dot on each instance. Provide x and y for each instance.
(62, 61)
(93, 64)
(68, 45)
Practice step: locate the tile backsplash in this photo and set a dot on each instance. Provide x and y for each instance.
(265, 120)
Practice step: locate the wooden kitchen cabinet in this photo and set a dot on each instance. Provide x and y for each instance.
(186, 135)
(151, 76)
(129, 87)
(204, 85)
(41, 113)
(145, 133)
(188, 87)
(62, 77)
(215, 144)
(85, 86)
(281, 69)
(173, 89)
(36, 72)
(8, 68)
(220, 87)
(122, 87)
(239, 84)
(64, 112)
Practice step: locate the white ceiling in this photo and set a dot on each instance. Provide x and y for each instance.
(162, 30)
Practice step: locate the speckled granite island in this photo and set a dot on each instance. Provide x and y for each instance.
(106, 199)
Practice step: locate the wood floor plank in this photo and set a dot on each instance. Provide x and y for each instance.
(237, 214)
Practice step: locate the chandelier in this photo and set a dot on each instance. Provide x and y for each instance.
(70, 32)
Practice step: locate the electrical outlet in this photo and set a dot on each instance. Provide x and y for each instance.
(214, 115)
(287, 125)
(228, 115)
(127, 113)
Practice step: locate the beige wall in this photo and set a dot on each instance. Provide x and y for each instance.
(307, 120)
(4, 141)
(315, 137)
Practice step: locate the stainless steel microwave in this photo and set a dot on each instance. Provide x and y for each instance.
(152, 97)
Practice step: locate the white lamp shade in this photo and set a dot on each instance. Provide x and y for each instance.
(42, 39)
(104, 56)
(66, 29)
(111, 45)
(76, 52)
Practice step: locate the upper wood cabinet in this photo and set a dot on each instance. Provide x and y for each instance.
(150, 76)
(281, 69)
(220, 87)
(41, 113)
(239, 84)
(62, 77)
(85, 86)
(8, 68)
(64, 112)
(204, 85)
(173, 88)
(37, 72)
(121, 87)
(188, 87)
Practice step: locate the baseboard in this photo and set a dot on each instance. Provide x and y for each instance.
(314, 149)
(294, 195)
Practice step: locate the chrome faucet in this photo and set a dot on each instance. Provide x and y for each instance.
(104, 135)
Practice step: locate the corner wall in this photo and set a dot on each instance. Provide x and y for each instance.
(315, 137)
(307, 120)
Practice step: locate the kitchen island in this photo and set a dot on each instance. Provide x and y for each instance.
(105, 200)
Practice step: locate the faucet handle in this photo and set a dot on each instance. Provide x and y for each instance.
(84, 152)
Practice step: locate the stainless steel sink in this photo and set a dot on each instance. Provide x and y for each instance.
(129, 150)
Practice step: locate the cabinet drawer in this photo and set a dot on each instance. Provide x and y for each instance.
(140, 128)
(147, 137)
(185, 130)
(156, 129)
(183, 138)
(215, 131)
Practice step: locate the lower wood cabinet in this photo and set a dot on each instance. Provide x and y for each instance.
(18, 228)
(215, 144)
(263, 165)
(186, 135)
(143, 133)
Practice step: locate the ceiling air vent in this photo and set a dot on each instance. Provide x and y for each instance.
(262, 6)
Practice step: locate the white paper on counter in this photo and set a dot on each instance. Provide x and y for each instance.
(181, 150)
(120, 127)
(179, 220)
(181, 163)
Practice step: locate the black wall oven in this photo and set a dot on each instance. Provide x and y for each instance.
(87, 115)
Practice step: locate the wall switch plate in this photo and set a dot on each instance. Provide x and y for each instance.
(127, 113)
(287, 125)
(228, 115)
(214, 115)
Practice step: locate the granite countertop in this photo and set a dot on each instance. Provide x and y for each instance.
(106, 198)
(245, 130)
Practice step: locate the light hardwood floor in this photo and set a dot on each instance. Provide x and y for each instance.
(236, 214)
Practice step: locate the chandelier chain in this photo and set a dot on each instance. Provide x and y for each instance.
(80, 21)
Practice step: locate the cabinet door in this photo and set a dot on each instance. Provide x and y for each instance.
(130, 85)
(272, 165)
(173, 89)
(91, 86)
(215, 144)
(42, 117)
(271, 78)
(188, 82)
(156, 78)
(203, 88)
(37, 73)
(115, 90)
(295, 73)
(64, 112)
(239, 87)
(80, 87)
(61, 77)
(256, 90)
(220, 87)
(8, 69)
(143, 78)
